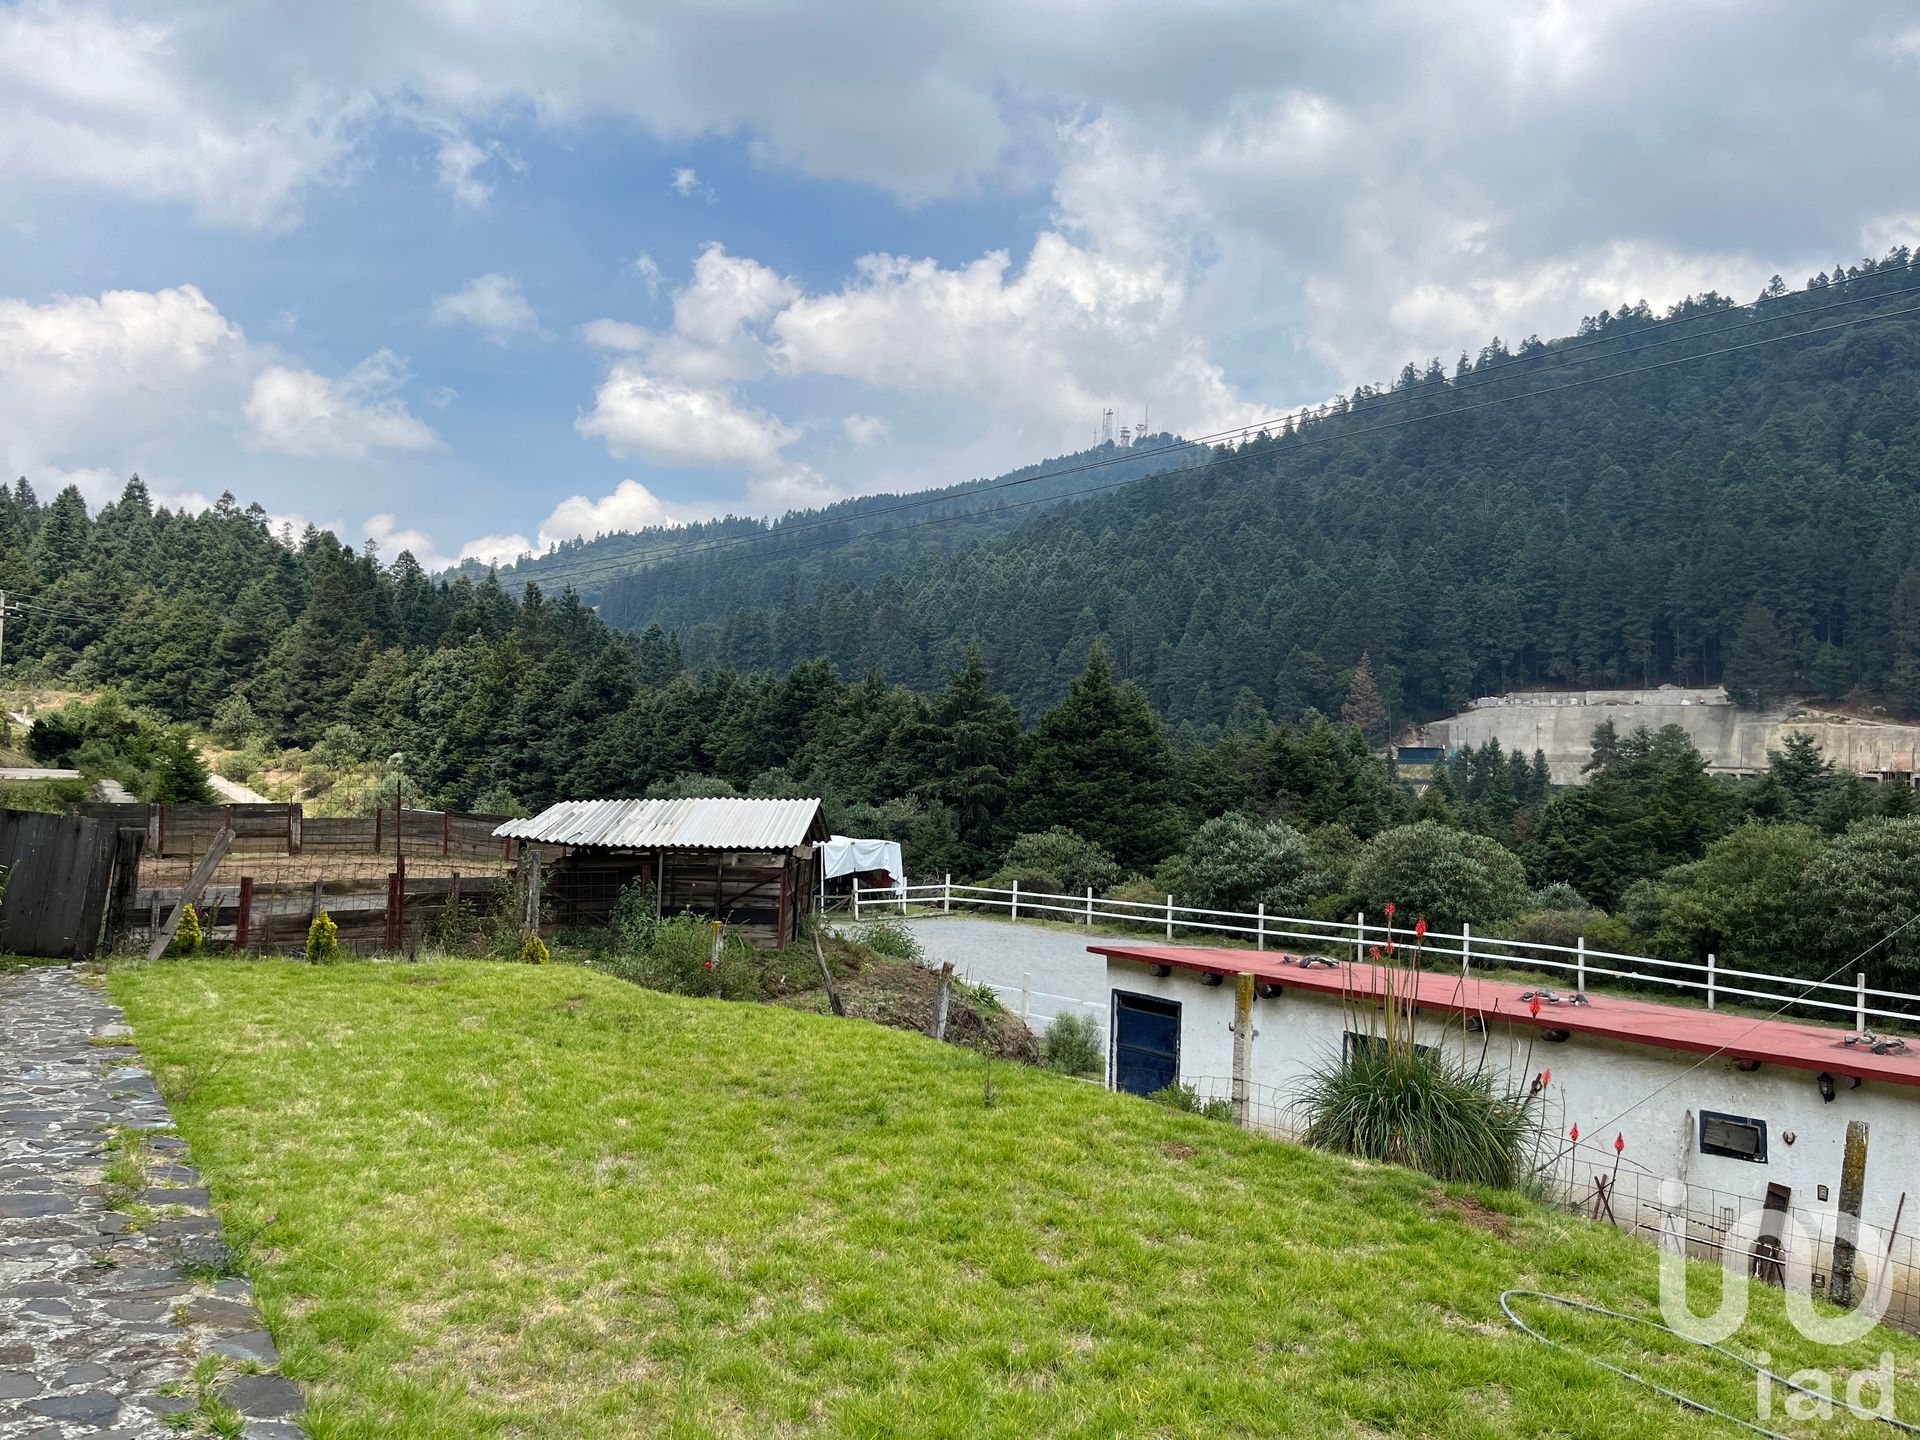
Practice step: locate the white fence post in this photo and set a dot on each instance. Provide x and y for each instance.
(903, 896)
(1860, 1002)
(1026, 990)
(1260, 935)
(856, 897)
(1360, 938)
(946, 895)
(1014, 909)
(1089, 907)
(1580, 966)
(1169, 917)
(1466, 950)
(1711, 978)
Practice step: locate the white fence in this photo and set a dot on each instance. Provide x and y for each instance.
(1716, 982)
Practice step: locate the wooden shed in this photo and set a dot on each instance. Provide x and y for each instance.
(752, 863)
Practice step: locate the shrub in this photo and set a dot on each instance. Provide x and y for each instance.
(189, 938)
(1413, 1105)
(533, 950)
(1449, 876)
(234, 720)
(679, 959)
(635, 918)
(323, 940)
(1235, 862)
(1056, 862)
(1557, 895)
(890, 937)
(1074, 1045)
(1556, 927)
(1186, 1099)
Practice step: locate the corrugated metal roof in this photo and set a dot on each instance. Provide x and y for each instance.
(707, 824)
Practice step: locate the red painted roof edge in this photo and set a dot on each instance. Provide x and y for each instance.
(1611, 1017)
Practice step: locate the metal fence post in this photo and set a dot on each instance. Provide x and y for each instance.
(1860, 1002)
(946, 896)
(1089, 907)
(1169, 917)
(1014, 911)
(1260, 935)
(1580, 965)
(1711, 981)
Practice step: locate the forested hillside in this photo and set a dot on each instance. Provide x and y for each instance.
(1750, 517)
(966, 513)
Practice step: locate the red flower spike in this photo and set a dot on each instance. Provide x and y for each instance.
(1619, 1144)
(1389, 909)
(1420, 928)
(1534, 1005)
(1575, 1134)
(1389, 947)
(1374, 954)
(707, 963)
(1546, 1077)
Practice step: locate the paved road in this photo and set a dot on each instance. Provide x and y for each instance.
(35, 772)
(99, 1318)
(1052, 966)
(112, 792)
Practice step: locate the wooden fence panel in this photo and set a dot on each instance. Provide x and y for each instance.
(59, 868)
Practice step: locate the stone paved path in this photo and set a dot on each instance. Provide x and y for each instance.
(111, 1319)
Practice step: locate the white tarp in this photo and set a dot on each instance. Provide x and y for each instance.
(843, 855)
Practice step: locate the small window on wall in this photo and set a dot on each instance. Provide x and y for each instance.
(1734, 1136)
(1359, 1043)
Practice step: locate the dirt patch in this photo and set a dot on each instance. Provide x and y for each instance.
(428, 980)
(1477, 1214)
(1180, 1150)
(904, 996)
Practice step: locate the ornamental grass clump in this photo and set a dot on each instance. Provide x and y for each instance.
(1390, 1097)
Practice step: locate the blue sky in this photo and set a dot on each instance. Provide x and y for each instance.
(474, 279)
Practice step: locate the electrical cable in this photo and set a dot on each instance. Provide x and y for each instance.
(1700, 1406)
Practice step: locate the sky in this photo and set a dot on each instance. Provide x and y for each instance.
(473, 278)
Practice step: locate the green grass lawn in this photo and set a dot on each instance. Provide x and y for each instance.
(529, 1202)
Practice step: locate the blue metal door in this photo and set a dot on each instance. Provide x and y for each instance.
(1146, 1043)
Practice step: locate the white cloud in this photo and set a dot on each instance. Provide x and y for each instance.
(493, 304)
(1883, 232)
(441, 396)
(496, 549)
(84, 380)
(648, 270)
(631, 506)
(865, 429)
(689, 186)
(390, 540)
(458, 160)
(674, 424)
(304, 414)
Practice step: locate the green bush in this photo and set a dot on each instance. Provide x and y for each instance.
(189, 939)
(1449, 876)
(891, 937)
(1186, 1099)
(533, 950)
(635, 919)
(323, 940)
(1413, 1105)
(679, 959)
(1056, 862)
(1234, 862)
(1074, 1045)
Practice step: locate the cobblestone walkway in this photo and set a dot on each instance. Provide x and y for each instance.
(119, 1304)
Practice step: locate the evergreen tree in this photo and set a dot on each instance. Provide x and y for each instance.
(1363, 708)
(1759, 669)
(1099, 764)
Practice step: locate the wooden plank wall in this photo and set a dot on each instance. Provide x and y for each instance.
(59, 868)
(280, 913)
(277, 829)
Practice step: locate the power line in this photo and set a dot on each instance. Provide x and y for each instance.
(629, 563)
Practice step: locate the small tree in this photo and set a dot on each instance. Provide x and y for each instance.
(1059, 862)
(1074, 1045)
(323, 940)
(235, 722)
(189, 938)
(1364, 709)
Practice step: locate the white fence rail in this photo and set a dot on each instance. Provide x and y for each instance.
(1716, 982)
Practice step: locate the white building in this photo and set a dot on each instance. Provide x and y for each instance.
(1729, 1106)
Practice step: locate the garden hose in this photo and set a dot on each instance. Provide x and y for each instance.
(1687, 1401)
